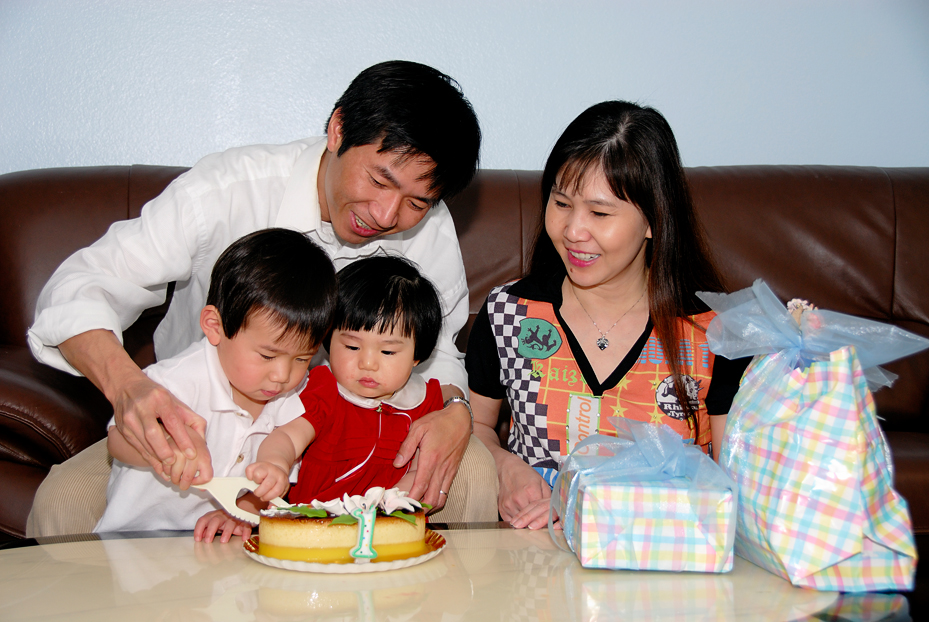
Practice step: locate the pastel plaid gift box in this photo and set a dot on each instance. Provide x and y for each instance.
(817, 503)
(651, 525)
(814, 473)
(646, 500)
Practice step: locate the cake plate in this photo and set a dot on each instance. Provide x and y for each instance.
(434, 543)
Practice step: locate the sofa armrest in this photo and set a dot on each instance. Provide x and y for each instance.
(46, 415)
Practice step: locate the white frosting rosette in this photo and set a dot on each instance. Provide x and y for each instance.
(387, 501)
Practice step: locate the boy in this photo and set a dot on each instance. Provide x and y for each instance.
(270, 302)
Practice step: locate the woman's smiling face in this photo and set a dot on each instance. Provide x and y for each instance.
(601, 238)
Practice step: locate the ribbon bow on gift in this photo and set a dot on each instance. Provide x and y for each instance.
(753, 321)
(641, 452)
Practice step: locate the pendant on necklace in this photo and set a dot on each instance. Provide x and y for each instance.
(602, 343)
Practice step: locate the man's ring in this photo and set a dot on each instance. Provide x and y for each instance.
(442, 492)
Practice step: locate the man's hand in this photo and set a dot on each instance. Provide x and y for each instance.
(521, 487)
(441, 438)
(144, 410)
(183, 472)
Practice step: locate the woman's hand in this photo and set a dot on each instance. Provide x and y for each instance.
(272, 480)
(535, 516)
(218, 521)
(520, 487)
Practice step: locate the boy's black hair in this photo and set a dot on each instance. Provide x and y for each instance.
(383, 293)
(412, 109)
(278, 272)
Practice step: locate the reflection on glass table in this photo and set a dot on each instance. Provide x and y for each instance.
(483, 574)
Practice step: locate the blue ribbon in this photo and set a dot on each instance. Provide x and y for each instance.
(641, 452)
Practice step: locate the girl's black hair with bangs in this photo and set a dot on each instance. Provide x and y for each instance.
(387, 293)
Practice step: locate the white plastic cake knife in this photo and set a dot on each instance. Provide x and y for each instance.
(226, 490)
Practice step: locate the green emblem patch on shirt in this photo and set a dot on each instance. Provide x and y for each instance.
(538, 339)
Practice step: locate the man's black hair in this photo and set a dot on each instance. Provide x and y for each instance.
(412, 110)
(278, 272)
(384, 293)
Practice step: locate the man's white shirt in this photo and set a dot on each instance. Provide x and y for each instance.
(182, 232)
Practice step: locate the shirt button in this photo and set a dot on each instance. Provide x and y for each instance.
(239, 459)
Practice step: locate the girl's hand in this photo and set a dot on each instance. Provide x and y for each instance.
(520, 487)
(272, 480)
(218, 521)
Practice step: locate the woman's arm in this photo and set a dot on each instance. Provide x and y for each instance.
(717, 430)
(521, 487)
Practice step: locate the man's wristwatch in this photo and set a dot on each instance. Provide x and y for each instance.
(460, 400)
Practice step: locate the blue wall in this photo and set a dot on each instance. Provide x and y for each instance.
(787, 82)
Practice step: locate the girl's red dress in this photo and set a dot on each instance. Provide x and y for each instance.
(355, 446)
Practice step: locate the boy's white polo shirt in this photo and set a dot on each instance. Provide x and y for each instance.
(138, 499)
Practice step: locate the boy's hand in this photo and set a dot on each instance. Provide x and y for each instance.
(184, 471)
(218, 521)
(272, 480)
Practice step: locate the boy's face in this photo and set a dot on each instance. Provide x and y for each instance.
(371, 364)
(258, 363)
(365, 194)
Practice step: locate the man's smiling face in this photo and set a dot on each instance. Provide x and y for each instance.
(366, 194)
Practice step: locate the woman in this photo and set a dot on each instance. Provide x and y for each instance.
(606, 322)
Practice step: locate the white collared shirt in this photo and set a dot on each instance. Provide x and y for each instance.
(182, 232)
(139, 500)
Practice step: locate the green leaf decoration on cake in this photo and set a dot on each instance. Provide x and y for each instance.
(425, 505)
(344, 519)
(410, 518)
(305, 510)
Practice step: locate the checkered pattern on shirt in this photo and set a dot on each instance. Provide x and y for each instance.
(528, 433)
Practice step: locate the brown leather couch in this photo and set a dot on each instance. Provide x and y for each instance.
(850, 239)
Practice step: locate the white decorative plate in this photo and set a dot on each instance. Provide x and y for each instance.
(434, 542)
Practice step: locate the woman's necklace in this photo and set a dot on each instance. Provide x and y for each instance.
(603, 343)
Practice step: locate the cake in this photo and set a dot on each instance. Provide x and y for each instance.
(328, 532)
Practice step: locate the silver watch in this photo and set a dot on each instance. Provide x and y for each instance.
(460, 400)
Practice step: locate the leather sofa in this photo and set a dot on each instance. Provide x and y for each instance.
(850, 239)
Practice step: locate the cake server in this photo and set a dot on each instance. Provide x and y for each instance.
(226, 490)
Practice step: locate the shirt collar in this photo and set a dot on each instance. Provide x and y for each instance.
(540, 288)
(300, 203)
(220, 389)
(409, 397)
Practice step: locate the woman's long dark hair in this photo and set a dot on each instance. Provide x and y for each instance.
(635, 148)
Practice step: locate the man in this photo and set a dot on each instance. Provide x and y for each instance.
(400, 139)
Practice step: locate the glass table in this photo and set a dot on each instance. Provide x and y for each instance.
(487, 572)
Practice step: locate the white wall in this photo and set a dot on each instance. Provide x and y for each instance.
(742, 82)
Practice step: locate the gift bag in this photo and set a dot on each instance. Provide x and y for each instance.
(802, 442)
(645, 500)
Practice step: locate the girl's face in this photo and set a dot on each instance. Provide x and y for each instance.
(371, 364)
(600, 238)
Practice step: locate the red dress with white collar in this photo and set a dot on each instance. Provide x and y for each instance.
(356, 442)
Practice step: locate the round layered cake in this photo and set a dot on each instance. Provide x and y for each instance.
(286, 533)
